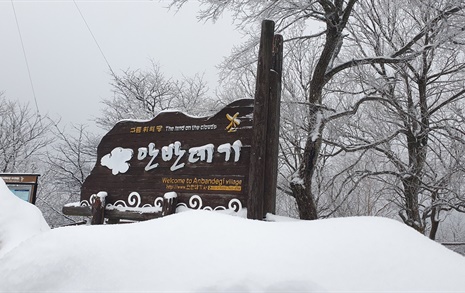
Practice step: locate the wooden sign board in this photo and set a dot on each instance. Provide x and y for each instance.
(226, 161)
(205, 160)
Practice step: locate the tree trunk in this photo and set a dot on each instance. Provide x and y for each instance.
(434, 225)
(412, 209)
(302, 185)
(305, 202)
(434, 216)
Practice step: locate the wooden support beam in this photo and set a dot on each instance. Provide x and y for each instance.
(255, 205)
(98, 208)
(113, 215)
(98, 211)
(272, 135)
(77, 211)
(170, 199)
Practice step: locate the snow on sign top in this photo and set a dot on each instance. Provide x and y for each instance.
(205, 160)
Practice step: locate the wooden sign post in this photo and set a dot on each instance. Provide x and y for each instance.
(264, 154)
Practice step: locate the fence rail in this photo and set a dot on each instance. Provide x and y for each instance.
(458, 247)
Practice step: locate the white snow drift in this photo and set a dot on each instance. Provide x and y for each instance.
(19, 220)
(201, 251)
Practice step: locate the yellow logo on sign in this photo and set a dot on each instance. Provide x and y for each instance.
(232, 127)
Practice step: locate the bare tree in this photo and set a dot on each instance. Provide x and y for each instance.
(292, 16)
(72, 157)
(336, 44)
(142, 94)
(23, 137)
(405, 118)
(68, 162)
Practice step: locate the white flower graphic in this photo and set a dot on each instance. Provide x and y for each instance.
(116, 161)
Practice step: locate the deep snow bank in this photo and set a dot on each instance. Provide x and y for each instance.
(200, 251)
(19, 220)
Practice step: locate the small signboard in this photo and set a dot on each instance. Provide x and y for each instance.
(23, 186)
(205, 160)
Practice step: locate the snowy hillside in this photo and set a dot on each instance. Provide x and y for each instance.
(201, 251)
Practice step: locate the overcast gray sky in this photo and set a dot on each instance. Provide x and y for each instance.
(69, 74)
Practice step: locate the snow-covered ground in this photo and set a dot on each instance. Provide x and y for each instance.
(201, 251)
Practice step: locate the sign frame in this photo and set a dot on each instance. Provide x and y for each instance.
(29, 180)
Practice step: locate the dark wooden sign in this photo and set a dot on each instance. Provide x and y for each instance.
(226, 161)
(204, 160)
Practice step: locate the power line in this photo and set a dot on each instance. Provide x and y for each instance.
(25, 58)
(93, 37)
